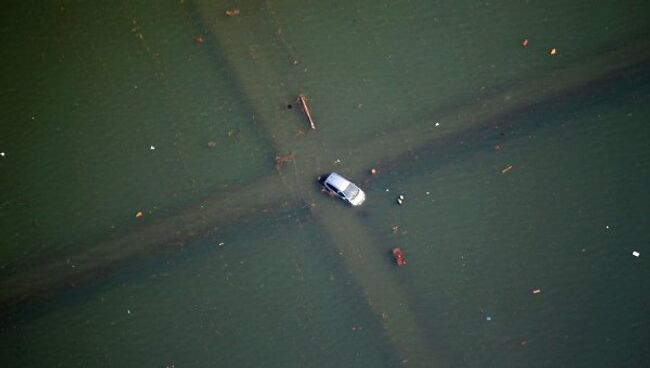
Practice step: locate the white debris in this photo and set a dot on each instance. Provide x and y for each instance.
(437, 124)
(636, 254)
(607, 227)
(128, 311)
(152, 148)
(387, 190)
(2, 154)
(400, 199)
(222, 243)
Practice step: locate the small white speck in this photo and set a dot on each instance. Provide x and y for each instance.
(128, 311)
(607, 227)
(222, 243)
(337, 161)
(428, 193)
(636, 254)
(2, 154)
(152, 148)
(437, 124)
(388, 190)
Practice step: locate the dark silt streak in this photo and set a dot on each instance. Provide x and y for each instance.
(502, 121)
(379, 288)
(494, 111)
(364, 264)
(47, 279)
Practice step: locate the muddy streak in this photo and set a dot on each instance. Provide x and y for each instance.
(46, 279)
(497, 109)
(411, 344)
(504, 120)
(370, 266)
(366, 266)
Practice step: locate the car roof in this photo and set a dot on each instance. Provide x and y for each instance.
(337, 181)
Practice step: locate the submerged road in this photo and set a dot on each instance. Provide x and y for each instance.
(312, 156)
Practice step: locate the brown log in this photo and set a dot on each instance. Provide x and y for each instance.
(305, 108)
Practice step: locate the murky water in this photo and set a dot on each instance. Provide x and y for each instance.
(525, 177)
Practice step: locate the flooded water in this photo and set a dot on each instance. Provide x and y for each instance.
(144, 220)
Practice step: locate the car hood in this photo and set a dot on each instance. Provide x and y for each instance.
(358, 199)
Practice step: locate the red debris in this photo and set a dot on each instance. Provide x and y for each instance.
(399, 257)
(199, 39)
(524, 43)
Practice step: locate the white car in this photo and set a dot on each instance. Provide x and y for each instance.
(345, 189)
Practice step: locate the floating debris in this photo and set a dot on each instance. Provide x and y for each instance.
(524, 42)
(232, 12)
(152, 148)
(488, 318)
(552, 51)
(139, 214)
(395, 229)
(537, 291)
(374, 171)
(400, 199)
(437, 124)
(2, 154)
(496, 147)
(399, 257)
(305, 108)
(636, 254)
(506, 169)
(280, 160)
(199, 39)
(212, 144)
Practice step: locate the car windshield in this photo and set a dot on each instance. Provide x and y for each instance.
(351, 192)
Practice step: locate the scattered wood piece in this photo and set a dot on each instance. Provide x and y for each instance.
(232, 12)
(280, 160)
(537, 291)
(138, 214)
(506, 169)
(305, 108)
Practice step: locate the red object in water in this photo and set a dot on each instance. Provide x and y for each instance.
(524, 43)
(199, 39)
(399, 257)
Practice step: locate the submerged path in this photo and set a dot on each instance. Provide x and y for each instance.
(311, 158)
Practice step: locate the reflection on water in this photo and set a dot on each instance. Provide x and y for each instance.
(421, 91)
